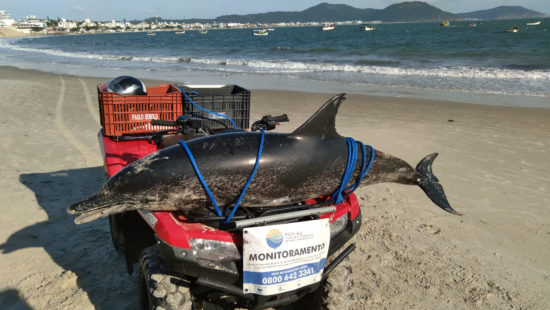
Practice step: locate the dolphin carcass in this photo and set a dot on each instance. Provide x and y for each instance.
(306, 163)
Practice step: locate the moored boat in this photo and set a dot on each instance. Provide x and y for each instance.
(533, 24)
(260, 32)
(328, 26)
(368, 27)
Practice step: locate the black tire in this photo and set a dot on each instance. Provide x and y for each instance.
(337, 289)
(334, 293)
(158, 289)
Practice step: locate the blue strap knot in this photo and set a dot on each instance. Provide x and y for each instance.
(342, 191)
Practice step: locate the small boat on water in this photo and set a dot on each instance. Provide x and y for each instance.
(204, 31)
(368, 27)
(445, 23)
(150, 33)
(512, 29)
(327, 26)
(271, 29)
(534, 23)
(260, 32)
(180, 32)
(473, 25)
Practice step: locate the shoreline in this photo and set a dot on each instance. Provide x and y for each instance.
(401, 97)
(493, 164)
(278, 83)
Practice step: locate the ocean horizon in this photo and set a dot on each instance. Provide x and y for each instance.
(484, 64)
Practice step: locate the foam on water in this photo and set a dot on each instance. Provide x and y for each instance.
(389, 64)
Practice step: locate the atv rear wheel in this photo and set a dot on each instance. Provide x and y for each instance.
(158, 290)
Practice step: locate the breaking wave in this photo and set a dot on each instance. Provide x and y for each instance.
(379, 67)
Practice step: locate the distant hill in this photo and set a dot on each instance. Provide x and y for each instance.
(400, 12)
(503, 12)
(414, 11)
(318, 13)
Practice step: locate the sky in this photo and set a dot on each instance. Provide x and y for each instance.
(106, 10)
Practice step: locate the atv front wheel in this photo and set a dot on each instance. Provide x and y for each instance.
(158, 290)
(337, 289)
(334, 293)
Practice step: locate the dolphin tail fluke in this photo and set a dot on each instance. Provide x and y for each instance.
(430, 184)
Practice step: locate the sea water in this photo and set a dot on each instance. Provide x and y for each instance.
(482, 64)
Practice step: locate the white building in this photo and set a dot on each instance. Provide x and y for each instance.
(88, 23)
(67, 25)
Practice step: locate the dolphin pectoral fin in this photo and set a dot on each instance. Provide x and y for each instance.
(430, 184)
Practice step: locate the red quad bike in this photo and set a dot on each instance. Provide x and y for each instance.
(188, 262)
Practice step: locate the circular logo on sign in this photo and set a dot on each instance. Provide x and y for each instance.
(274, 238)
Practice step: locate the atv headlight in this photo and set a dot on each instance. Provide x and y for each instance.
(338, 225)
(214, 250)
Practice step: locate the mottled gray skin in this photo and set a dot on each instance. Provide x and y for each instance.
(308, 163)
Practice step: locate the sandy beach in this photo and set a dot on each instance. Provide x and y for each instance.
(493, 163)
(10, 32)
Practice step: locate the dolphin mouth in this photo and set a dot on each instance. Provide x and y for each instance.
(89, 216)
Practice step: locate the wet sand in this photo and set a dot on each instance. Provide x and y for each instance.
(493, 163)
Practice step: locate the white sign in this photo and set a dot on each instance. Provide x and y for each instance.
(281, 258)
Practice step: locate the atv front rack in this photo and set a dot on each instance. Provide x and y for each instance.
(281, 217)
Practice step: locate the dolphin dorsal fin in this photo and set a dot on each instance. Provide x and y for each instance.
(322, 122)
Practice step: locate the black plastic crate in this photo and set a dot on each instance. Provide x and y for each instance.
(230, 100)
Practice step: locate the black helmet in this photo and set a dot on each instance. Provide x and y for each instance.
(125, 85)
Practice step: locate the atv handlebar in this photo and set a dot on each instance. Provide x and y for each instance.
(269, 122)
(280, 118)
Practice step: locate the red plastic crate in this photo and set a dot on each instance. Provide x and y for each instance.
(132, 114)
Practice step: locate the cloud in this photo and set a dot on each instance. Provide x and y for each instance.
(148, 12)
(78, 9)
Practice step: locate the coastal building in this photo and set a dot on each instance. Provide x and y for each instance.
(88, 23)
(66, 25)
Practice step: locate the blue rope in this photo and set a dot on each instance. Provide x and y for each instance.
(205, 110)
(199, 176)
(256, 165)
(337, 197)
(350, 167)
(207, 189)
